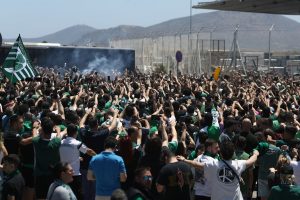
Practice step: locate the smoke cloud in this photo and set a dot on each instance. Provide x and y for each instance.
(109, 62)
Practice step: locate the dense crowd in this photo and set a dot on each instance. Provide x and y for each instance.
(142, 137)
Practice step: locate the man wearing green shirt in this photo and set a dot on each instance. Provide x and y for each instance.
(286, 190)
(46, 153)
(267, 160)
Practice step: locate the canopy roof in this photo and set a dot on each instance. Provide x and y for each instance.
(284, 7)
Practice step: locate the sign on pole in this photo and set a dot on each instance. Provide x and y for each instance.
(178, 59)
(178, 56)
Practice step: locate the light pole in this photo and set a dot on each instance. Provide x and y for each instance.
(198, 57)
(162, 50)
(189, 41)
(270, 30)
(210, 48)
(190, 16)
(143, 64)
(174, 70)
(199, 52)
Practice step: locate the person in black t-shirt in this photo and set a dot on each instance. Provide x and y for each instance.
(92, 136)
(13, 183)
(152, 159)
(175, 178)
(12, 137)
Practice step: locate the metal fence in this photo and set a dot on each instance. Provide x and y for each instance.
(196, 48)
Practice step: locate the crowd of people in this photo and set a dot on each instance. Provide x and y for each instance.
(148, 137)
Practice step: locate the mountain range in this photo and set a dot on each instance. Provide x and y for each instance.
(253, 31)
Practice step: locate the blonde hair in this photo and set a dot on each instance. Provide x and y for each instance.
(288, 179)
(282, 160)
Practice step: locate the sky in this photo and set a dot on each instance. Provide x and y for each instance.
(35, 18)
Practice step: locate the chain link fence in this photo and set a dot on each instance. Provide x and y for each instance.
(199, 52)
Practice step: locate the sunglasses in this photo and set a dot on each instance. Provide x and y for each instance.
(147, 178)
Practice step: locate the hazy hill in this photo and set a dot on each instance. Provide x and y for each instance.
(102, 37)
(253, 31)
(66, 36)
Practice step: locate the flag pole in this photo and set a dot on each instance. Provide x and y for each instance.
(12, 76)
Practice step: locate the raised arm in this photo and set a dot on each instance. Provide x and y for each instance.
(198, 165)
(252, 159)
(114, 121)
(61, 110)
(83, 119)
(164, 134)
(173, 131)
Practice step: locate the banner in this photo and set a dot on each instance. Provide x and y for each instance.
(17, 65)
(217, 73)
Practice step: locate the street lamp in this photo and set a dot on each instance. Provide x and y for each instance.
(191, 16)
(210, 46)
(199, 52)
(270, 30)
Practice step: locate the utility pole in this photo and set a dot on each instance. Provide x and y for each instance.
(189, 42)
(198, 57)
(235, 46)
(143, 52)
(190, 16)
(270, 30)
(180, 41)
(174, 70)
(162, 50)
(235, 49)
(188, 55)
(199, 53)
(210, 48)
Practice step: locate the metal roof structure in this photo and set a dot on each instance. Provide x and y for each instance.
(283, 7)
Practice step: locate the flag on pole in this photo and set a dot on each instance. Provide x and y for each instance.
(17, 65)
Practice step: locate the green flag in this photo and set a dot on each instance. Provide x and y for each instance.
(17, 65)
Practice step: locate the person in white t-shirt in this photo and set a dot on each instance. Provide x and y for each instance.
(202, 184)
(225, 173)
(69, 151)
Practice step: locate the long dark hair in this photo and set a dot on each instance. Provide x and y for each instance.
(153, 148)
(126, 149)
(59, 168)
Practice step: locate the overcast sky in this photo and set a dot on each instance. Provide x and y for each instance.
(34, 18)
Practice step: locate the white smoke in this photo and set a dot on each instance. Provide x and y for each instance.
(109, 67)
(109, 62)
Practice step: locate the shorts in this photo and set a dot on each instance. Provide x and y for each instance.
(263, 188)
(42, 184)
(27, 174)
